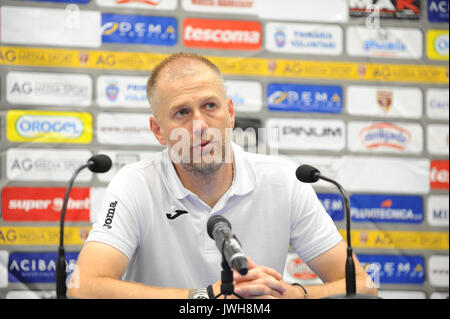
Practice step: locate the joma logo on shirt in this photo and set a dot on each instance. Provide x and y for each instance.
(177, 213)
(110, 215)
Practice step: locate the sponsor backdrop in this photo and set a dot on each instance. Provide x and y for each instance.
(357, 88)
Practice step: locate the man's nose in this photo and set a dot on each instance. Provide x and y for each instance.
(199, 123)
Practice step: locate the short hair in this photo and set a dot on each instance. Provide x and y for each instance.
(153, 79)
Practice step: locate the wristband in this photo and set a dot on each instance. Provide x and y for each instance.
(200, 293)
(210, 291)
(304, 290)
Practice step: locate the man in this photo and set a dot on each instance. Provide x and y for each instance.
(151, 232)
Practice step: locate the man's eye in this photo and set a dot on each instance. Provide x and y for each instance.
(181, 113)
(210, 106)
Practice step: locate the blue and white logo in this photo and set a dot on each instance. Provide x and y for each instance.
(119, 28)
(438, 10)
(304, 98)
(31, 267)
(280, 38)
(387, 208)
(441, 44)
(112, 91)
(389, 269)
(333, 204)
(34, 126)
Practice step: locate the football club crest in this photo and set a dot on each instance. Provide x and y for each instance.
(362, 69)
(384, 99)
(272, 65)
(280, 38)
(83, 57)
(112, 91)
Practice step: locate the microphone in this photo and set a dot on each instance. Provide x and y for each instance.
(100, 163)
(97, 164)
(308, 174)
(219, 229)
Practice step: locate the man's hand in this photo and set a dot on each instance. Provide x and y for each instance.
(260, 282)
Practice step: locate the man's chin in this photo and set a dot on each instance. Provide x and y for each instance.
(202, 169)
(202, 157)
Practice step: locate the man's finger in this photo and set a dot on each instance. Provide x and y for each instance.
(251, 264)
(259, 272)
(272, 272)
(259, 289)
(273, 285)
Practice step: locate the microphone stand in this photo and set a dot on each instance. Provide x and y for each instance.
(227, 286)
(61, 288)
(350, 274)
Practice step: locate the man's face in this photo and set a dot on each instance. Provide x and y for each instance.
(192, 117)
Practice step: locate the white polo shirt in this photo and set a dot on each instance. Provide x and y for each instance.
(268, 208)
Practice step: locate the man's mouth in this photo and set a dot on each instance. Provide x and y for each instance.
(205, 146)
(202, 143)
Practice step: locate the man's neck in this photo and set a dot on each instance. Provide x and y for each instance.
(209, 188)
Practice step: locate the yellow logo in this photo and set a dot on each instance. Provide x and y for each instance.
(18, 235)
(49, 127)
(398, 239)
(110, 28)
(170, 30)
(141, 61)
(437, 44)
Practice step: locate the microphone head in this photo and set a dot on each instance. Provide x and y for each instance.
(212, 222)
(241, 265)
(307, 174)
(100, 163)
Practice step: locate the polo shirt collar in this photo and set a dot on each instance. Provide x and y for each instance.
(174, 183)
(243, 180)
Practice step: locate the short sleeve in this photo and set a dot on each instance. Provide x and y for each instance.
(118, 221)
(312, 230)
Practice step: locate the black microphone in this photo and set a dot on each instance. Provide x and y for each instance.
(100, 163)
(97, 164)
(219, 229)
(308, 174)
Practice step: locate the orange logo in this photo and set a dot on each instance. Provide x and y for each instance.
(387, 203)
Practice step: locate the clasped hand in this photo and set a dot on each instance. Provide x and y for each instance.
(261, 282)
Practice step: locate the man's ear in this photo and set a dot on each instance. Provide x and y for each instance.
(230, 106)
(156, 129)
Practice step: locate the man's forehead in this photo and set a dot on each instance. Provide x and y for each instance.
(184, 67)
(190, 77)
(184, 74)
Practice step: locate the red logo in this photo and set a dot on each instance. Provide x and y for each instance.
(439, 173)
(44, 204)
(222, 34)
(150, 2)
